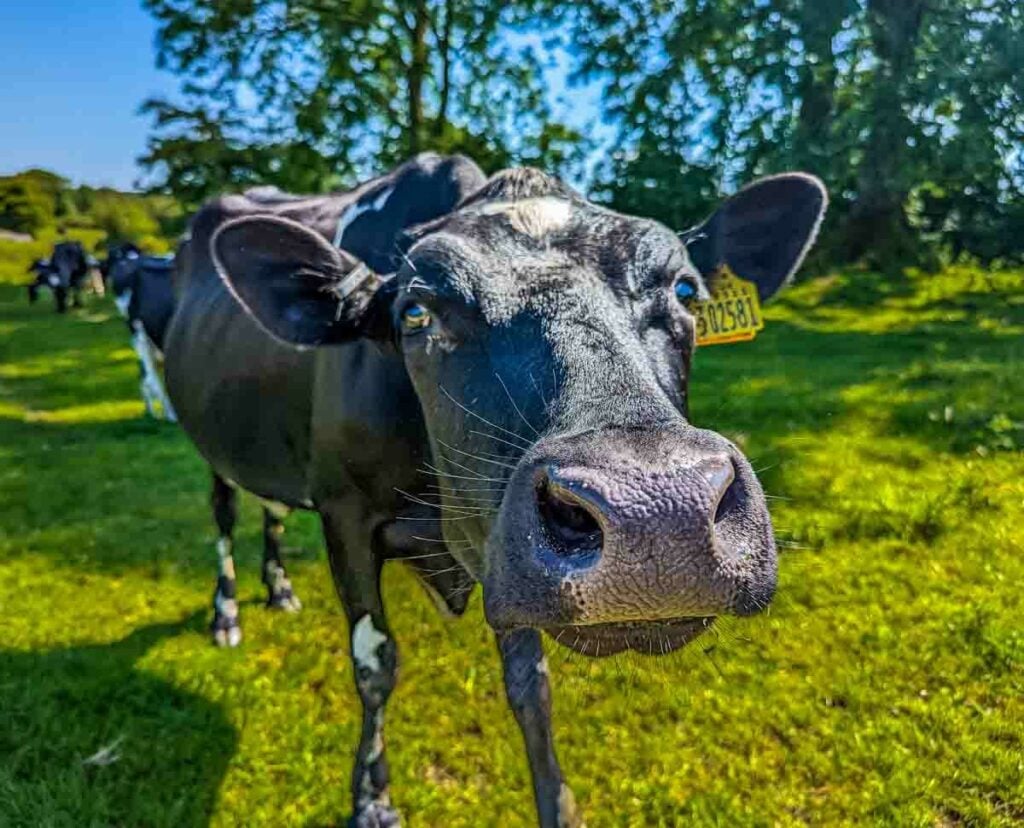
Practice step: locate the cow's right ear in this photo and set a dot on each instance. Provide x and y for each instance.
(295, 284)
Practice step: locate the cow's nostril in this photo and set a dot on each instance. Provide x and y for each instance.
(727, 503)
(721, 474)
(569, 524)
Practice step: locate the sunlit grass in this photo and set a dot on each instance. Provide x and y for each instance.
(885, 687)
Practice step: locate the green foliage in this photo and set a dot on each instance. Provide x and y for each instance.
(885, 687)
(305, 95)
(28, 202)
(910, 111)
(43, 205)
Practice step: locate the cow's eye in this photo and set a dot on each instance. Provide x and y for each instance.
(686, 291)
(415, 317)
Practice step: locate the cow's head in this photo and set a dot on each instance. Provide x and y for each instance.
(549, 342)
(120, 271)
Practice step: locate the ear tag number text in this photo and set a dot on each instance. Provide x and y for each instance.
(732, 314)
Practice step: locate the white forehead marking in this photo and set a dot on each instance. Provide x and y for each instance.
(355, 210)
(365, 640)
(534, 217)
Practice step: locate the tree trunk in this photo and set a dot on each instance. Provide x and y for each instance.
(819, 23)
(877, 227)
(444, 44)
(417, 74)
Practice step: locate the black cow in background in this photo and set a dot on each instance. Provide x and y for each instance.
(114, 255)
(144, 295)
(71, 266)
(64, 273)
(45, 276)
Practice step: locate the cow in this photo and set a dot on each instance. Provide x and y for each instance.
(144, 294)
(70, 264)
(488, 380)
(45, 275)
(116, 253)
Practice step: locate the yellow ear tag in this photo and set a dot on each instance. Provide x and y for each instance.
(732, 314)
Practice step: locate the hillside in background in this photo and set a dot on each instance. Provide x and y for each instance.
(39, 207)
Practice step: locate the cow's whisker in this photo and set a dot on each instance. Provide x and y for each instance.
(498, 439)
(434, 471)
(440, 540)
(483, 419)
(522, 416)
(423, 557)
(475, 456)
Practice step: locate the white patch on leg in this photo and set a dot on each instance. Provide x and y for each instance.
(153, 390)
(224, 559)
(568, 813)
(366, 638)
(122, 302)
(377, 748)
(226, 607)
(355, 210)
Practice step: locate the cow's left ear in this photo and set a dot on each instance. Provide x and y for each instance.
(299, 288)
(762, 232)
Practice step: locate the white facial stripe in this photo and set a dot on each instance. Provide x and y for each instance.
(53, 280)
(365, 640)
(356, 210)
(534, 217)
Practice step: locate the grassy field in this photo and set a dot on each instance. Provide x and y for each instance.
(885, 687)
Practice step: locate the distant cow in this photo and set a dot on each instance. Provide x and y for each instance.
(71, 266)
(45, 276)
(64, 273)
(487, 379)
(144, 295)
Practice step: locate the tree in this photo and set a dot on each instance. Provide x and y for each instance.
(912, 112)
(28, 201)
(306, 93)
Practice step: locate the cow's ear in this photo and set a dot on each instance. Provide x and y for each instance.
(295, 284)
(762, 232)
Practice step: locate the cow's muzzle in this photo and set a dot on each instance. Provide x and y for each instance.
(630, 538)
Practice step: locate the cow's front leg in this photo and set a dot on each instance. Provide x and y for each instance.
(375, 668)
(529, 695)
(279, 586)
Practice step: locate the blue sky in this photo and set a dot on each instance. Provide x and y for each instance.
(72, 75)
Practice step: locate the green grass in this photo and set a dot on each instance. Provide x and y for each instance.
(885, 687)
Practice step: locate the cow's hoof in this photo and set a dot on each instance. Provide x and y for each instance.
(287, 601)
(376, 816)
(227, 632)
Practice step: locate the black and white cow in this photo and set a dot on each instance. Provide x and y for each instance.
(487, 379)
(45, 276)
(64, 273)
(144, 294)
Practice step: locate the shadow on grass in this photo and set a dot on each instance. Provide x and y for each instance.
(88, 738)
(947, 385)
